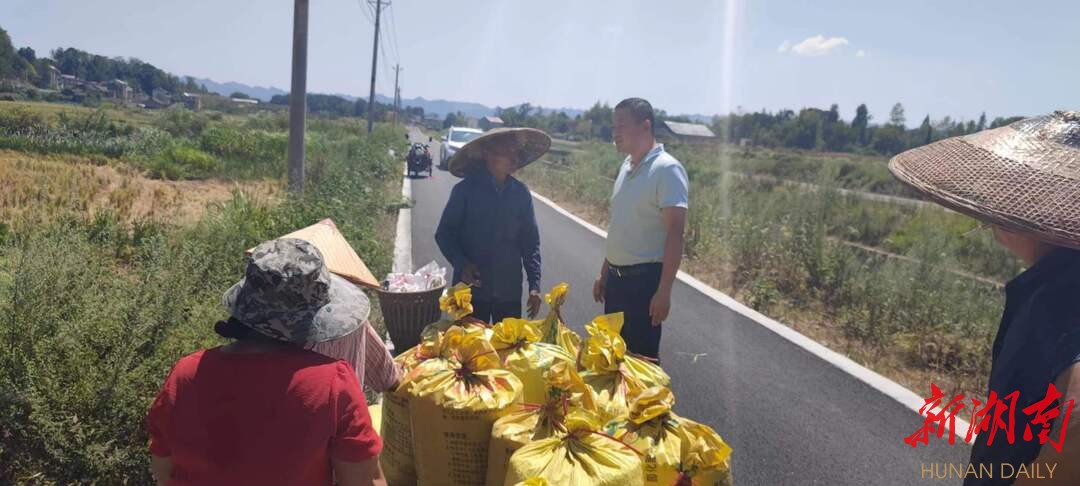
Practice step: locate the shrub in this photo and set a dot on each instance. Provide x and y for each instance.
(94, 313)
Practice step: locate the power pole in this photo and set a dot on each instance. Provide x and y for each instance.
(374, 60)
(298, 96)
(397, 93)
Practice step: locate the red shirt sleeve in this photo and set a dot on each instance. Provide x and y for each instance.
(355, 439)
(157, 420)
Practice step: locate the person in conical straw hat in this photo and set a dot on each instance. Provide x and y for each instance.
(488, 229)
(1023, 182)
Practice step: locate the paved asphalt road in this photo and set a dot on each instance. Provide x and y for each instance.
(790, 417)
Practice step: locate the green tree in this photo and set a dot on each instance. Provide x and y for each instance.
(240, 96)
(1001, 122)
(982, 122)
(896, 115)
(860, 123)
(889, 139)
(10, 62)
(927, 131)
(28, 54)
(454, 119)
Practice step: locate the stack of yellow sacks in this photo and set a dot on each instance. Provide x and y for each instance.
(527, 402)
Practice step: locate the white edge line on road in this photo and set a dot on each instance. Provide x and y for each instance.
(403, 237)
(880, 383)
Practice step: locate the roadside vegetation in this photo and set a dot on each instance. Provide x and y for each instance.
(120, 230)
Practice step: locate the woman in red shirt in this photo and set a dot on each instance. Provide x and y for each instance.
(262, 409)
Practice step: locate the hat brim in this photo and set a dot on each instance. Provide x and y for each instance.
(994, 189)
(347, 309)
(529, 144)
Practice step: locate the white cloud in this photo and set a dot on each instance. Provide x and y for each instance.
(784, 46)
(818, 45)
(861, 53)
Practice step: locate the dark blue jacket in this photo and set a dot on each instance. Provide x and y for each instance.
(495, 230)
(1039, 337)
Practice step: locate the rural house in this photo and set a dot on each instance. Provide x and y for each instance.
(120, 90)
(684, 132)
(488, 122)
(192, 101)
(68, 81)
(54, 77)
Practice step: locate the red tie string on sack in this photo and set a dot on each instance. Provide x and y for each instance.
(464, 370)
(513, 347)
(683, 480)
(564, 401)
(611, 437)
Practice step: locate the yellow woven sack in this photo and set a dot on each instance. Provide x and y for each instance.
(397, 458)
(564, 391)
(582, 456)
(453, 402)
(553, 329)
(611, 371)
(396, 430)
(521, 353)
(457, 303)
(375, 412)
(533, 482)
(675, 451)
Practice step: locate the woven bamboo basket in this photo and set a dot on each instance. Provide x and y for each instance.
(407, 313)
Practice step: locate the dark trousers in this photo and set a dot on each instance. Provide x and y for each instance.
(493, 312)
(631, 294)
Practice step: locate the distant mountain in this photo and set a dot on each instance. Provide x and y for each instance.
(438, 107)
(228, 88)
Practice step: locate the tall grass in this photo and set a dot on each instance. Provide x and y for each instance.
(178, 144)
(95, 311)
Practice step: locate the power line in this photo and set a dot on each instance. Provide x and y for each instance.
(394, 36)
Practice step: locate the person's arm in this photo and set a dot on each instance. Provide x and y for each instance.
(364, 473)
(529, 239)
(530, 246)
(355, 446)
(673, 198)
(161, 469)
(1065, 464)
(448, 233)
(157, 426)
(601, 283)
(380, 371)
(675, 224)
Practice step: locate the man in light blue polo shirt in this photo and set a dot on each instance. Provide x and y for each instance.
(645, 236)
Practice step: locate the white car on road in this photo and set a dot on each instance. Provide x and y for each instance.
(454, 139)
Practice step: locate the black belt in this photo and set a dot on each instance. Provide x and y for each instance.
(633, 270)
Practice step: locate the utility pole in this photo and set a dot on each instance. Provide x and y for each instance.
(397, 93)
(298, 96)
(374, 60)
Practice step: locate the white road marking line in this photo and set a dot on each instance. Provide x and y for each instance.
(403, 239)
(880, 383)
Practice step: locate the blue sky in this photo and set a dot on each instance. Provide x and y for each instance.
(954, 58)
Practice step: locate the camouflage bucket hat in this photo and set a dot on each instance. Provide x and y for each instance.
(288, 294)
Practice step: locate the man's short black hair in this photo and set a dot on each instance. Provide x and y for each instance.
(638, 107)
